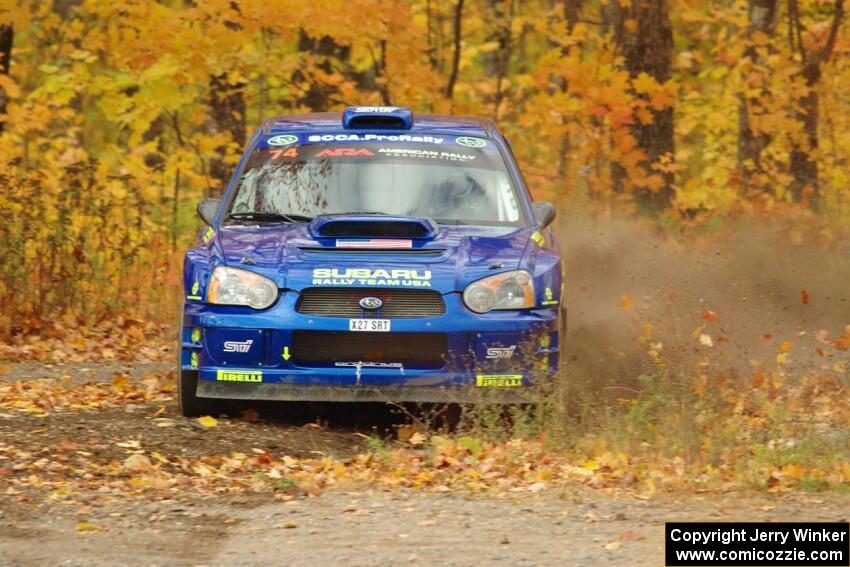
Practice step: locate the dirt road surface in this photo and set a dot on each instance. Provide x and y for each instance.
(565, 526)
(578, 528)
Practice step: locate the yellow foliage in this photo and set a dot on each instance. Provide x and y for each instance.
(109, 138)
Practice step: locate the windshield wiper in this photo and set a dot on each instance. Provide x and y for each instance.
(269, 217)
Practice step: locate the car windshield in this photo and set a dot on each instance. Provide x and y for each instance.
(449, 183)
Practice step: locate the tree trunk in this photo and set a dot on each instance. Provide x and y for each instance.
(804, 165)
(7, 35)
(646, 43)
(458, 19)
(318, 97)
(805, 186)
(571, 9)
(762, 19)
(227, 106)
(498, 63)
(570, 13)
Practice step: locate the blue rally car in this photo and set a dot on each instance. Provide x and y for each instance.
(372, 255)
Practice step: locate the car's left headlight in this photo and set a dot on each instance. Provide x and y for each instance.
(508, 290)
(232, 286)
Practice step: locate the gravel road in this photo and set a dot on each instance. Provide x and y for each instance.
(579, 528)
(575, 526)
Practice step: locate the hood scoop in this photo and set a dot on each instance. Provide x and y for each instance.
(372, 226)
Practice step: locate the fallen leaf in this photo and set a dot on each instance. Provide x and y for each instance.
(137, 463)
(804, 297)
(406, 431)
(613, 545)
(471, 444)
(705, 340)
(250, 415)
(626, 302)
(842, 343)
(159, 457)
(86, 526)
(709, 315)
(207, 421)
(417, 438)
(120, 381)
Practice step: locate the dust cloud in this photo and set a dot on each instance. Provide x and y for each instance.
(752, 278)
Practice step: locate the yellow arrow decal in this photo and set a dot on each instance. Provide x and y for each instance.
(286, 355)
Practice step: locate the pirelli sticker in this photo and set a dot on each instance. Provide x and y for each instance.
(498, 380)
(239, 376)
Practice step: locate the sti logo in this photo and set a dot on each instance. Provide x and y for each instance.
(238, 346)
(376, 109)
(499, 353)
(344, 152)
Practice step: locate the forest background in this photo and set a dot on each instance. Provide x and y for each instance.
(117, 117)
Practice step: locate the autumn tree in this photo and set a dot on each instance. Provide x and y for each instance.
(118, 116)
(227, 108)
(6, 36)
(321, 56)
(644, 37)
(812, 48)
(457, 27)
(753, 137)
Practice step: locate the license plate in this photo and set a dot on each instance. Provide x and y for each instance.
(373, 325)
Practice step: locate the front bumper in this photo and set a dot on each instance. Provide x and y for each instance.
(385, 394)
(243, 354)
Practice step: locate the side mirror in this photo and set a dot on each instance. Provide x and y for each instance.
(207, 209)
(544, 214)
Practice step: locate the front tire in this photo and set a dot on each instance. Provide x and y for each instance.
(188, 402)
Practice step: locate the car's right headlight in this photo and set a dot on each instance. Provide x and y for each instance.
(508, 290)
(232, 286)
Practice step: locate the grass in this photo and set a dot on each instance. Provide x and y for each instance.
(684, 427)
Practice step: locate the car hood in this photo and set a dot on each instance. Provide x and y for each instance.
(295, 257)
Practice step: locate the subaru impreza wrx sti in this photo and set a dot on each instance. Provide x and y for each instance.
(372, 255)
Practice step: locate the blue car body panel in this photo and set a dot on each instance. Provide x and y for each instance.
(240, 352)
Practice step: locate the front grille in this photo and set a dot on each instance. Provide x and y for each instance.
(345, 302)
(326, 348)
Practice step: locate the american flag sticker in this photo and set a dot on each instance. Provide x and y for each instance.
(373, 243)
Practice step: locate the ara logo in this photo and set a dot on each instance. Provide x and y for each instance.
(471, 142)
(344, 152)
(238, 346)
(501, 352)
(282, 140)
